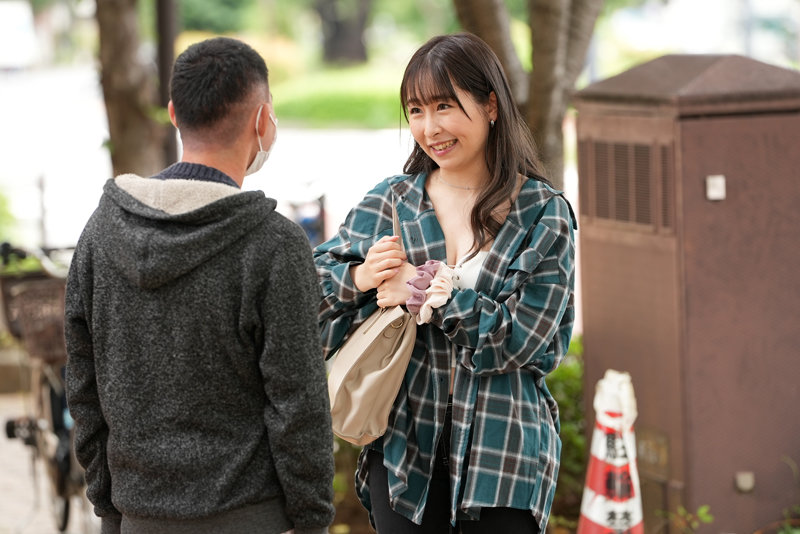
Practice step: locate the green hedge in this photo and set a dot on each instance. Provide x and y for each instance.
(566, 385)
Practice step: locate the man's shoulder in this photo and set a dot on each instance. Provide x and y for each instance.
(278, 237)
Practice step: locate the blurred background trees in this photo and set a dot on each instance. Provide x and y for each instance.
(546, 47)
(343, 24)
(559, 36)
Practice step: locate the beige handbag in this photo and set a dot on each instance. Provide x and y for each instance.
(368, 369)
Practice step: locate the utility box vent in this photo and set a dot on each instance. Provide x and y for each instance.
(628, 183)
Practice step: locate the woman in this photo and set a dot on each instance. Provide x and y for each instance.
(472, 440)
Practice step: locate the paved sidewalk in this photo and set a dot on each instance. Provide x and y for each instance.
(23, 508)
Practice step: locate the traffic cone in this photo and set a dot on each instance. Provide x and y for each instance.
(612, 502)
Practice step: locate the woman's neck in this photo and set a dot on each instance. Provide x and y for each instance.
(458, 181)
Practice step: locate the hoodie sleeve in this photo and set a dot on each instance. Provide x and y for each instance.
(91, 431)
(297, 413)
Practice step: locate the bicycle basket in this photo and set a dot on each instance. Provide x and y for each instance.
(37, 308)
(8, 283)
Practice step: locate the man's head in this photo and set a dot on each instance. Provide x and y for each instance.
(216, 86)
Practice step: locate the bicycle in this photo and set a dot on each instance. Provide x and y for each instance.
(33, 311)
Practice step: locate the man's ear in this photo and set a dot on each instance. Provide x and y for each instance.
(171, 111)
(262, 120)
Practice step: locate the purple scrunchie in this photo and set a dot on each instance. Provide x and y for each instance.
(419, 283)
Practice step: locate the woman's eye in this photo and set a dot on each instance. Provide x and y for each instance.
(443, 106)
(413, 111)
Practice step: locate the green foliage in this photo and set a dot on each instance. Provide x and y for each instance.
(16, 266)
(791, 514)
(219, 16)
(40, 5)
(420, 18)
(159, 114)
(350, 514)
(6, 218)
(146, 13)
(788, 527)
(7, 341)
(521, 38)
(688, 522)
(363, 96)
(293, 19)
(566, 385)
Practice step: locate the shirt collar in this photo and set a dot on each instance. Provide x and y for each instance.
(195, 171)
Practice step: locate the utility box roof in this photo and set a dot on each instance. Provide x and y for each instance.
(701, 84)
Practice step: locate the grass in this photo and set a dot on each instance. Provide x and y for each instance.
(310, 94)
(365, 96)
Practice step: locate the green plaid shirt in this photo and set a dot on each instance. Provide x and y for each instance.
(507, 333)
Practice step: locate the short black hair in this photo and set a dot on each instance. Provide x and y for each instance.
(212, 76)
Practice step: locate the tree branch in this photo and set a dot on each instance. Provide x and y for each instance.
(583, 16)
(489, 20)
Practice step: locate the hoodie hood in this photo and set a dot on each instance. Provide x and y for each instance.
(155, 231)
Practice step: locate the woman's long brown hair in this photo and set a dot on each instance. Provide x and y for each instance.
(463, 60)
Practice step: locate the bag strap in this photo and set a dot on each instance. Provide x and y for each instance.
(396, 225)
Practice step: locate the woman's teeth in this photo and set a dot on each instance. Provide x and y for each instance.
(444, 146)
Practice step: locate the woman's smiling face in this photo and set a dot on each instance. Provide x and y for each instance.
(453, 133)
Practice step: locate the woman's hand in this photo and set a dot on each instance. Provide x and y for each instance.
(394, 291)
(383, 260)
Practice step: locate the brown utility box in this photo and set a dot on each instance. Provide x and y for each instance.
(689, 175)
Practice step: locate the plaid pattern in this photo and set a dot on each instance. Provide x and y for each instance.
(507, 334)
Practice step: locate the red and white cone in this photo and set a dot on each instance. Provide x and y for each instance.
(612, 502)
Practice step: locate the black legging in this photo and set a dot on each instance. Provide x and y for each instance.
(436, 519)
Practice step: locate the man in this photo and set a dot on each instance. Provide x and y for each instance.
(195, 374)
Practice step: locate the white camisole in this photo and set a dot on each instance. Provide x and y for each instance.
(465, 273)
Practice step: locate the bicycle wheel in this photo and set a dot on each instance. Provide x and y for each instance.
(53, 449)
(60, 508)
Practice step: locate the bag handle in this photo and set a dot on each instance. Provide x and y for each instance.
(396, 225)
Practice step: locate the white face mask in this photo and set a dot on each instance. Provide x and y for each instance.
(262, 155)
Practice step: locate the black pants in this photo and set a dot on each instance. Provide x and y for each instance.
(436, 519)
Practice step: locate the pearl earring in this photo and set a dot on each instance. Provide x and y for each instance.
(491, 123)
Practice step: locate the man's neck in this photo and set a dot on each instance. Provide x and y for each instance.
(227, 161)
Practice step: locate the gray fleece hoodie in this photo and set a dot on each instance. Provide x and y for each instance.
(195, 373)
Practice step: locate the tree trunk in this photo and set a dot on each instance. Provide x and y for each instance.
(129, 90)
(343, 25)
(489, 19)
(167, 29)
(561, 31)
(549, 21)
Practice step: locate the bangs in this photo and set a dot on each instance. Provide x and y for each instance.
(425, 82)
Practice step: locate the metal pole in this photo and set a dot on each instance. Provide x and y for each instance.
(42, 212)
